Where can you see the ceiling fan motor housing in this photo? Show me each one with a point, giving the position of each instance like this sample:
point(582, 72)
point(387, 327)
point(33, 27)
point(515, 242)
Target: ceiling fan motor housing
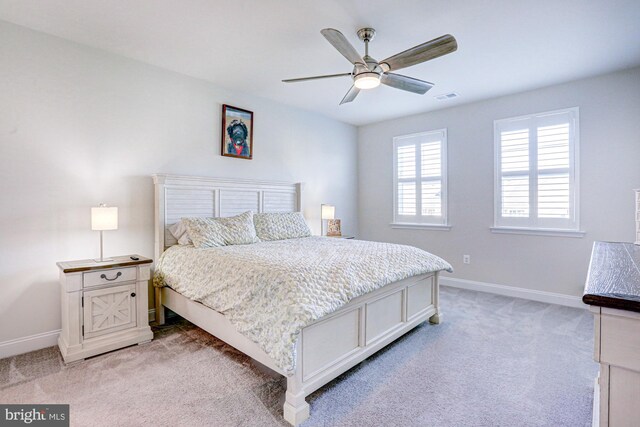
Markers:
point(367, 77)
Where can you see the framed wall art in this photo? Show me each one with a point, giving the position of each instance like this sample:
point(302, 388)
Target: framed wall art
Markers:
point(237, 132)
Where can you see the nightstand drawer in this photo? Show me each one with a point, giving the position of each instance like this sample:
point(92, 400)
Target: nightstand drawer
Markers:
point(109, 277)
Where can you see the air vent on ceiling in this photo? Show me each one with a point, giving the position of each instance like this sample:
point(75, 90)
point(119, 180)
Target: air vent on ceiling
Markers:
point(446, 96)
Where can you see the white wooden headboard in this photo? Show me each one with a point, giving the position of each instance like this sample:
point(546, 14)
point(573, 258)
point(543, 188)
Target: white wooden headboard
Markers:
point(179, 196)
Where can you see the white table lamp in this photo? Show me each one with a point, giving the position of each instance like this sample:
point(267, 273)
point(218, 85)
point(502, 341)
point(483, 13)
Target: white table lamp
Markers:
point(104, 218)
point(326, 212)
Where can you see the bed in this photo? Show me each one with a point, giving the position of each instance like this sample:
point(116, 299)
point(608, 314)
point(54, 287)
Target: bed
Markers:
point(325, 345)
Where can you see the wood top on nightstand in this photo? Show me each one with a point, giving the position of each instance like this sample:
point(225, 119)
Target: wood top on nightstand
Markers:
point(90, 264)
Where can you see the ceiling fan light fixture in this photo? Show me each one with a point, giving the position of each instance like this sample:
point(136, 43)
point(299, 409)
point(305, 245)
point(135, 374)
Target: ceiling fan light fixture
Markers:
point(367, 80)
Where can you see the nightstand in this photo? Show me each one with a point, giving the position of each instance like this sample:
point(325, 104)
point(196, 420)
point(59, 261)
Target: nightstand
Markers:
point(104, 305)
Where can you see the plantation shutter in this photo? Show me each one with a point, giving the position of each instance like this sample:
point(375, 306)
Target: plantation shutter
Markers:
point(420, 179)
point(431, 173)
point(406, 161)
point(536, 171)
point(514, 150)
point(554, 195)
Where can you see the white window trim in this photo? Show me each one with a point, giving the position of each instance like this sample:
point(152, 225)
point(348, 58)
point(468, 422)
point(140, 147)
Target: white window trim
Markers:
point(538, 231)
point(428, 222)
point(408, 225)
point(542, 229)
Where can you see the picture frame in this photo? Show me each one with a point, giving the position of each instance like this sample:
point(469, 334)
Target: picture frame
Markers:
point(237, 132)
point(333, 228)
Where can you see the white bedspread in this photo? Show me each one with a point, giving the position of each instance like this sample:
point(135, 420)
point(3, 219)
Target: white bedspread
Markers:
point(271, 290)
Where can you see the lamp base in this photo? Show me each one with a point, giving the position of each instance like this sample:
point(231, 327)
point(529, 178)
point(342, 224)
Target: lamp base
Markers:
point(103, 260)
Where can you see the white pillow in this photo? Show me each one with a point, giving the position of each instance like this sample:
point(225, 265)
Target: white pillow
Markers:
point(212, 232)
point(179, 231)
point(280, 226)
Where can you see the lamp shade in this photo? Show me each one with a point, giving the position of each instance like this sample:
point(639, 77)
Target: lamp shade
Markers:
point(328, 212)
point(104, 218)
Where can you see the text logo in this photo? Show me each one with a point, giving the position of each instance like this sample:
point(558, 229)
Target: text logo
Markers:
point(34, 415)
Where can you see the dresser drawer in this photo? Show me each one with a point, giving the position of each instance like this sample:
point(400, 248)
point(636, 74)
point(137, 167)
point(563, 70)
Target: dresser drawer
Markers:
point(109, 277)
point(620, 340)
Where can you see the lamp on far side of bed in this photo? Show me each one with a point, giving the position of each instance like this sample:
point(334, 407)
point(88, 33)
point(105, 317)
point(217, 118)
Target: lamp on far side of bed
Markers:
point(104, 218)
point(326, 212)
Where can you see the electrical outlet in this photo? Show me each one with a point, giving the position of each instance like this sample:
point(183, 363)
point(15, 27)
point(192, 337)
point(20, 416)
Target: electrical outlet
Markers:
point(466, 259)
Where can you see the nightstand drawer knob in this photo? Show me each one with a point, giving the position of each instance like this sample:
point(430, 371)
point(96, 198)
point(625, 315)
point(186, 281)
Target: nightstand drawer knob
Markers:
point(104, 276)
point(133, 294)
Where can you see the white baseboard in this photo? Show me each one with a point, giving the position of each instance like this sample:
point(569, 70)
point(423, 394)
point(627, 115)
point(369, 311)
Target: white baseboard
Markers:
point(511, 291)
point(27, 344)
point(38, 341)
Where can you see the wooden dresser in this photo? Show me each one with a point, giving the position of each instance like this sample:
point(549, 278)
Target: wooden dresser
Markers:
point(613, 292)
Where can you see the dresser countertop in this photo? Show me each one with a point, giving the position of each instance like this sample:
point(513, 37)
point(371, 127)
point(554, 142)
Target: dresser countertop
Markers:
point(614, 276)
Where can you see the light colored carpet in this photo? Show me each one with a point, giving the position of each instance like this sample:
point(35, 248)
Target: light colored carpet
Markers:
point(494, 361)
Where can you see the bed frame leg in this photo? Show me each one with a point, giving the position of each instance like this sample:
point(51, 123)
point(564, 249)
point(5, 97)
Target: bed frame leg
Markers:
point(435, 297)
point(296, 409)
point(159, 307)
point(435, 319)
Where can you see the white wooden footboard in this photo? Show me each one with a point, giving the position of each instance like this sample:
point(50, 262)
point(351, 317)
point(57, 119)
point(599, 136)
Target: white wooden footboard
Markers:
point(333, 344)
point(339, 341)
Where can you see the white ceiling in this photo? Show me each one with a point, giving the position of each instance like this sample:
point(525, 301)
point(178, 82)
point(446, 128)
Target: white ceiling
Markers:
point(505, 46)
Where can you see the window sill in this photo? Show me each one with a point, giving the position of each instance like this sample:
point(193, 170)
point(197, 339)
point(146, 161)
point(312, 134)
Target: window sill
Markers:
point(407, 225)
point(538, 231)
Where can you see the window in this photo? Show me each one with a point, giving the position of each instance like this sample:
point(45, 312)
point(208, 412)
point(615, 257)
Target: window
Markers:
point(420, 179)
point(536, 184)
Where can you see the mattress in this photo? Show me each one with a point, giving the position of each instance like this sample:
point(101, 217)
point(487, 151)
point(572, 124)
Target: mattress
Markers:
point(271, 290)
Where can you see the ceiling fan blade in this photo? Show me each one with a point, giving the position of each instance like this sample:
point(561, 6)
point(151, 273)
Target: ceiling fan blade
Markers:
point(421, 53)
point(409, 84)
point(351, 95)
point(327, 76)
point(340, 42)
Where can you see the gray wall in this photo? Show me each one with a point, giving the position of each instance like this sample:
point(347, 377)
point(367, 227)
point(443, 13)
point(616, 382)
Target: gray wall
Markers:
point(79, 126)
point(609, 171)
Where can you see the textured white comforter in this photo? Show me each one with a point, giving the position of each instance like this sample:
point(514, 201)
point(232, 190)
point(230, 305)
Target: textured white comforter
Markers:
point(271, 290)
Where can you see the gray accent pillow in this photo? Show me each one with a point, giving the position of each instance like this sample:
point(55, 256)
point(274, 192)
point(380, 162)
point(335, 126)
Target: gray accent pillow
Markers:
point(213, 232)
point(280, 226)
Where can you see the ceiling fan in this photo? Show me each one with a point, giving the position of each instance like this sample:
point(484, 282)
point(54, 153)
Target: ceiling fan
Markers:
point(368, 73)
